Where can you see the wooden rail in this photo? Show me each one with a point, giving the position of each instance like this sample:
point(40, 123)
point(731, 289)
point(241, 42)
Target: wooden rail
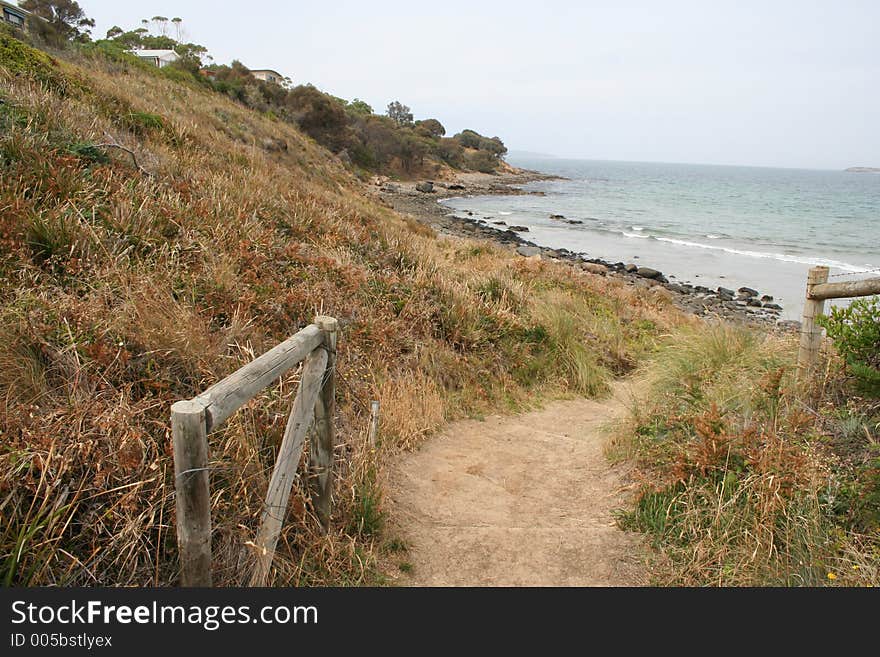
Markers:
point(818, 290)
point(193, 419)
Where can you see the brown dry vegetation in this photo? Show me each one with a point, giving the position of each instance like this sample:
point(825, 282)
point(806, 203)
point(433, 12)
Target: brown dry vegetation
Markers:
point(121, 292)
point(752, 474)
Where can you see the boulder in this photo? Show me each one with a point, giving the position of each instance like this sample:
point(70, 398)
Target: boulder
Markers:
point(595, 268)
point(519, 229)
point(754, 303)
point(528, 251)
point(724, 293)
point(573, 222)
point(500, 223)
point(391, 188)
point(766, 298)
point(772, 306)
point(631, 268)
point(455, 186)
point(747, 292)
point(647, 272)
point(550, 253)
point(426, 187)
point(557, 216)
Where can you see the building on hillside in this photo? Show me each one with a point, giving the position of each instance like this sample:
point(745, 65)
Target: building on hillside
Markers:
point(14, 15)
point(158, 58)
point(267, 75)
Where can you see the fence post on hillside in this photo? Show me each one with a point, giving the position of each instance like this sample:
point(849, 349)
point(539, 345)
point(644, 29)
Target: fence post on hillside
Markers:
point(323, 437)
point(191, 484)
point(811, 334)
point(374, 423)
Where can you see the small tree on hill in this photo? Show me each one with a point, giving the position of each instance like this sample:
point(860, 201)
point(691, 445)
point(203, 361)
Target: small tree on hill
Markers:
point(359, 106)
point(432, 127)
point(400, 113)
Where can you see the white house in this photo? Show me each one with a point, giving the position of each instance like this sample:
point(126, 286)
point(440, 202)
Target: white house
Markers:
point(14, 15)
point(158, 58)
point(267, 74)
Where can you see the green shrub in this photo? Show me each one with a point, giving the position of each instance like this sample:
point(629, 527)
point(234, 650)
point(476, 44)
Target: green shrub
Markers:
point(89, 152)
point(482, 161)
point(20, 59)
point(855, 332)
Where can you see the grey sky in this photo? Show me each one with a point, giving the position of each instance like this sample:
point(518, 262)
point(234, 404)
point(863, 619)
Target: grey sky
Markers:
point(773, 83)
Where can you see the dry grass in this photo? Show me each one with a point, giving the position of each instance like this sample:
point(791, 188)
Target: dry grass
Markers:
point(121, 293)
point(746, 478)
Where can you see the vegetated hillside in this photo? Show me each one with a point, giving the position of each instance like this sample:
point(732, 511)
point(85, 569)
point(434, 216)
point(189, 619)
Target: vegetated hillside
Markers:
point(129, 280)
point(393, 144)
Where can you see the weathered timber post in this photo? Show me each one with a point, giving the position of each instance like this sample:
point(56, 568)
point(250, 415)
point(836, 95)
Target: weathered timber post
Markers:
point(811, 334)
point(323, 437)
point(191, 484)
point(374, 422)
point(301, 416)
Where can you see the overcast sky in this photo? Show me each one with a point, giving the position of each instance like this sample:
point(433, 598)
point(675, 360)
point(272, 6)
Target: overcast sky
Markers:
point(770, 83)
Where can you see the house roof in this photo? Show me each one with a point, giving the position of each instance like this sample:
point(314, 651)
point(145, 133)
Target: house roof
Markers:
point(15, 8)
point(265, 70)
point(153, 53)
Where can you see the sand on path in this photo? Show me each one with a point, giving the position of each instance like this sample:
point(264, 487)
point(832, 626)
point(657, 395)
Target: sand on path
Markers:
point(521, 500)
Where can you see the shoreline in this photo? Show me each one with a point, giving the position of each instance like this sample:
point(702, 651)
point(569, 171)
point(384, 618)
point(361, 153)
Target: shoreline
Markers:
point(742, 306)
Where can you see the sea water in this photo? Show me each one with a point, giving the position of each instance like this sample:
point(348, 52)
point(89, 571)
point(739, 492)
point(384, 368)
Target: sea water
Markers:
point(701, 224)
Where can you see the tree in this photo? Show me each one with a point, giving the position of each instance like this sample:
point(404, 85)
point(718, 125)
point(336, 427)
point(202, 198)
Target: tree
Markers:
point(431, 127)
point(177, 21)
point(400, 113)
point(359, 106)
point(64, 20)
point(469, 138)
point(161, 23)
point(114, 32)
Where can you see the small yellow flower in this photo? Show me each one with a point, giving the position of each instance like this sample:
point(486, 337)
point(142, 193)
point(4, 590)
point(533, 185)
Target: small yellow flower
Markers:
point(832, 576)
point(855, 567)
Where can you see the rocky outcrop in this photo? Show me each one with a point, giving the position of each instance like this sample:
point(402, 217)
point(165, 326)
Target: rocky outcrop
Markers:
point(528, 251)
point(647, 272)
point(426, 187)
point(595, 268)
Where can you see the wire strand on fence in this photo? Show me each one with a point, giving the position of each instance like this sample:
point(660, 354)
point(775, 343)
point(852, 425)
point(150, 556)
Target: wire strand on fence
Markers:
point(855, 273)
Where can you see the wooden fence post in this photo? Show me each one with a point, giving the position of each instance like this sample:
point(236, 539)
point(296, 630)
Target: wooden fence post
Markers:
point(811, 334)
point(374, 423)
point(191, 484)
point(300, 421)
point(323, 437)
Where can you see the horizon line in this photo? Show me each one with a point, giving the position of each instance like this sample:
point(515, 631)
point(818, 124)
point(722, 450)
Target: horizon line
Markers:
point(549, 156)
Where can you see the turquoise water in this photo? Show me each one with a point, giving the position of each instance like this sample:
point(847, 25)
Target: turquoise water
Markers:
point(710, 225)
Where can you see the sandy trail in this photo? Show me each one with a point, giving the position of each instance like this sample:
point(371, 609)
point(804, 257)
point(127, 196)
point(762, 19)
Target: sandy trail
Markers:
point(520, 500)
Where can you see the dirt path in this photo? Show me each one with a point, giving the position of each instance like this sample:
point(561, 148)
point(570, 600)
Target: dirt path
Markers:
point(523, 500)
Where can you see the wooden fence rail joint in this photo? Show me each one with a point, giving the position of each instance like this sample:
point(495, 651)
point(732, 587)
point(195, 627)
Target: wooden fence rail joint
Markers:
point(818, 291)
point(193, 419)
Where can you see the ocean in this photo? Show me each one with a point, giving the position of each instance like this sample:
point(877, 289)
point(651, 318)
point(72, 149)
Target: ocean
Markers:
point(701, 224)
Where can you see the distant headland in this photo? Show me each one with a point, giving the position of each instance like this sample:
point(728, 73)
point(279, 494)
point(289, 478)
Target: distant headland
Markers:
point(863, 170)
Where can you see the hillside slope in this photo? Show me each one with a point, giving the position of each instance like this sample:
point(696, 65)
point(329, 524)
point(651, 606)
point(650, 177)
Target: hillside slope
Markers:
point(132, 277)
